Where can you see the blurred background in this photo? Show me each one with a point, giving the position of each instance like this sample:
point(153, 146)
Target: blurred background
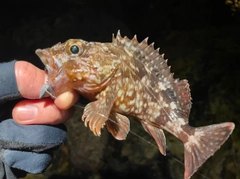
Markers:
point(200, 38)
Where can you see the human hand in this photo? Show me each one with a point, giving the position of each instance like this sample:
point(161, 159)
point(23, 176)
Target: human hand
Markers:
point(39, 111)
point(29, 148)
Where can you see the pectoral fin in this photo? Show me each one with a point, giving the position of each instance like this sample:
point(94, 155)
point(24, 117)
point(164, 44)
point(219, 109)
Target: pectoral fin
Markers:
point(94, 117)
point(96, 113)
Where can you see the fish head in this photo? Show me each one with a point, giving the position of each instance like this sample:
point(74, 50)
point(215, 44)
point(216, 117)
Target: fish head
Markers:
point(77, 64)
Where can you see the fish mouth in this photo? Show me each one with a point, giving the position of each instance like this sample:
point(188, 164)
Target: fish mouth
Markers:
point(45, 58)
point(53, 68)
point(48, 60)
point(43, 55)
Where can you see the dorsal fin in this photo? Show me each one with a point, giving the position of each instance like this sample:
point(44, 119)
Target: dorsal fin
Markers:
point(156, 65)
point(184, 97)
point(150, 57)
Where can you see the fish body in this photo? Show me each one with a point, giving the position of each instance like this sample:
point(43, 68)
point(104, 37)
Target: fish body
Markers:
point(127, 77)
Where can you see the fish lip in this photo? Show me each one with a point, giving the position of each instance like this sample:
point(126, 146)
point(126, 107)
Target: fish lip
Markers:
point(43, 55)
point(49, 61)
point(54, 69)
point(46, 58)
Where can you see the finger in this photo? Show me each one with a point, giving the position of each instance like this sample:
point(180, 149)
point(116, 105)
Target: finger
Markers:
point(42, 111)
point(66, 100)
point(29, 79)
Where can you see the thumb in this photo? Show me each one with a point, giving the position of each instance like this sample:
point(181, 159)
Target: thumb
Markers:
point(29, 79)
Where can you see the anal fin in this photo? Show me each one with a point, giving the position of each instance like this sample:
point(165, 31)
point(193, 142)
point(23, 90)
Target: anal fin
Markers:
point(158, 136)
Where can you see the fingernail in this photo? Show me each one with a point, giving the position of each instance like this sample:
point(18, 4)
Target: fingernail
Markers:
point(27, 112)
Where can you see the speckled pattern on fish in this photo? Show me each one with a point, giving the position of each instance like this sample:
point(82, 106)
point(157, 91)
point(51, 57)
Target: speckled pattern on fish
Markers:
point(127, 77)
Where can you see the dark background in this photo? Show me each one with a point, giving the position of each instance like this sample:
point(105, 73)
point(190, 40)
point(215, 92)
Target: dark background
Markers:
point(201, 39)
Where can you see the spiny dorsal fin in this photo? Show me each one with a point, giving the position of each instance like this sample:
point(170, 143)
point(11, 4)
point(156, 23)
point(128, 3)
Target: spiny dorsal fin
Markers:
point(155, 64)
point(150, 57)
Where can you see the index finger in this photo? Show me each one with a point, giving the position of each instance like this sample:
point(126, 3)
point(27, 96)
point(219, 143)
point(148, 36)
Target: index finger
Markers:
point(66, 100)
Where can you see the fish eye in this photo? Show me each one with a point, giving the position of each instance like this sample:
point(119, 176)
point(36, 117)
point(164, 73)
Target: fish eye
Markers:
point(74, 49)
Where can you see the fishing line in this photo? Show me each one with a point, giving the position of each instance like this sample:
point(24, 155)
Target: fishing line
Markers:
point(142, 138)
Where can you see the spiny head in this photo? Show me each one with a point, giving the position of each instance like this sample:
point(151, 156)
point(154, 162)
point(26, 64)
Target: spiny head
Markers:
point(78, 64)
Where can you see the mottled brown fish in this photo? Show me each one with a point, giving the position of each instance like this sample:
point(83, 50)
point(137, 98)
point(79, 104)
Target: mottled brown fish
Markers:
point(127, 77)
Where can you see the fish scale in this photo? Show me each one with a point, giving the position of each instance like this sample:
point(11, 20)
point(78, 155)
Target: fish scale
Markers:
point(127, 77)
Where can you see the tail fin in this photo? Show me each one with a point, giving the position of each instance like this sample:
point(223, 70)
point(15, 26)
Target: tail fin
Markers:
point(204, 143)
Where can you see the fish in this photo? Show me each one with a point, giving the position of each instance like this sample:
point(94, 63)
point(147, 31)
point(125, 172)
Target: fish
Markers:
point(126, 77)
